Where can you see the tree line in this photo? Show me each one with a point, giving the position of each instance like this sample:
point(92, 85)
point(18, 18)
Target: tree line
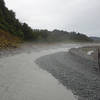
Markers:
point(11, 24)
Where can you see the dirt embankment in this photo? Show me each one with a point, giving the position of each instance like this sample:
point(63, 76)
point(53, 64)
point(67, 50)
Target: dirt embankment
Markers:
point(75, 70)
point(7, 40)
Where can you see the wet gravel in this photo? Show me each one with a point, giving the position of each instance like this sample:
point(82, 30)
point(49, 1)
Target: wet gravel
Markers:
point(76, 72)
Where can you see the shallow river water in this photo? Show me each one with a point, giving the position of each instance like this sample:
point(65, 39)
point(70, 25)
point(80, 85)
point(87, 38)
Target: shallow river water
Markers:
point(22, 79)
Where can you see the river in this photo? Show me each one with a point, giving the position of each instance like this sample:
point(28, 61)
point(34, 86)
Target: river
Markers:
point(22, 79)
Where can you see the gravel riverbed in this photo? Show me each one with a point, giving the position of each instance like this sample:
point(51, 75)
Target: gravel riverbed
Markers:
point(74, 71)
point(20, 77)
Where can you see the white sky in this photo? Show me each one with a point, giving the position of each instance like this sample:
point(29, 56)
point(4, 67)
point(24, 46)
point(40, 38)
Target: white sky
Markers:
point(78, 15)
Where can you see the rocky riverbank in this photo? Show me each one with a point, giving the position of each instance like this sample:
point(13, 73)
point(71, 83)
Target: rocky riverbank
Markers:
point(75, 70)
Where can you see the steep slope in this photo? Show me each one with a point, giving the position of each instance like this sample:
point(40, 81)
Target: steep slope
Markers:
point(8, 22)
point(8, 40)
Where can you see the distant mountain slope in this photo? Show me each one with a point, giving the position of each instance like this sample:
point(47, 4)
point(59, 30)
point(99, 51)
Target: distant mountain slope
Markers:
point(10, 24)
point(96, 39)
point(65, 36)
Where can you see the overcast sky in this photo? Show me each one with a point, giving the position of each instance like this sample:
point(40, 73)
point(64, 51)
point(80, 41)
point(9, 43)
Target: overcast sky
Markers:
point(71, 15)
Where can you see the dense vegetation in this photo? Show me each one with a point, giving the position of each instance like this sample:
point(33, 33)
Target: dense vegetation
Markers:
point(7, 40)
point(9, 23)
point(60, 35)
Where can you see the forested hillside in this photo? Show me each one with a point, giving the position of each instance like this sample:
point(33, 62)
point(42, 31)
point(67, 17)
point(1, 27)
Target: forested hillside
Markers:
point(9, 24)
point(60, 35)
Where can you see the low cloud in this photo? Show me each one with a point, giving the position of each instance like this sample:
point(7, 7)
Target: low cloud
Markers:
point(77, 15)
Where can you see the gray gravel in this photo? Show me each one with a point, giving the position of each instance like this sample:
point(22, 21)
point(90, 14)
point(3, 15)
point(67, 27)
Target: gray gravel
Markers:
point(76, 72)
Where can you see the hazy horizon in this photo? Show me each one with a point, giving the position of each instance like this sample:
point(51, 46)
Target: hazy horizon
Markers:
point(69, 15)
